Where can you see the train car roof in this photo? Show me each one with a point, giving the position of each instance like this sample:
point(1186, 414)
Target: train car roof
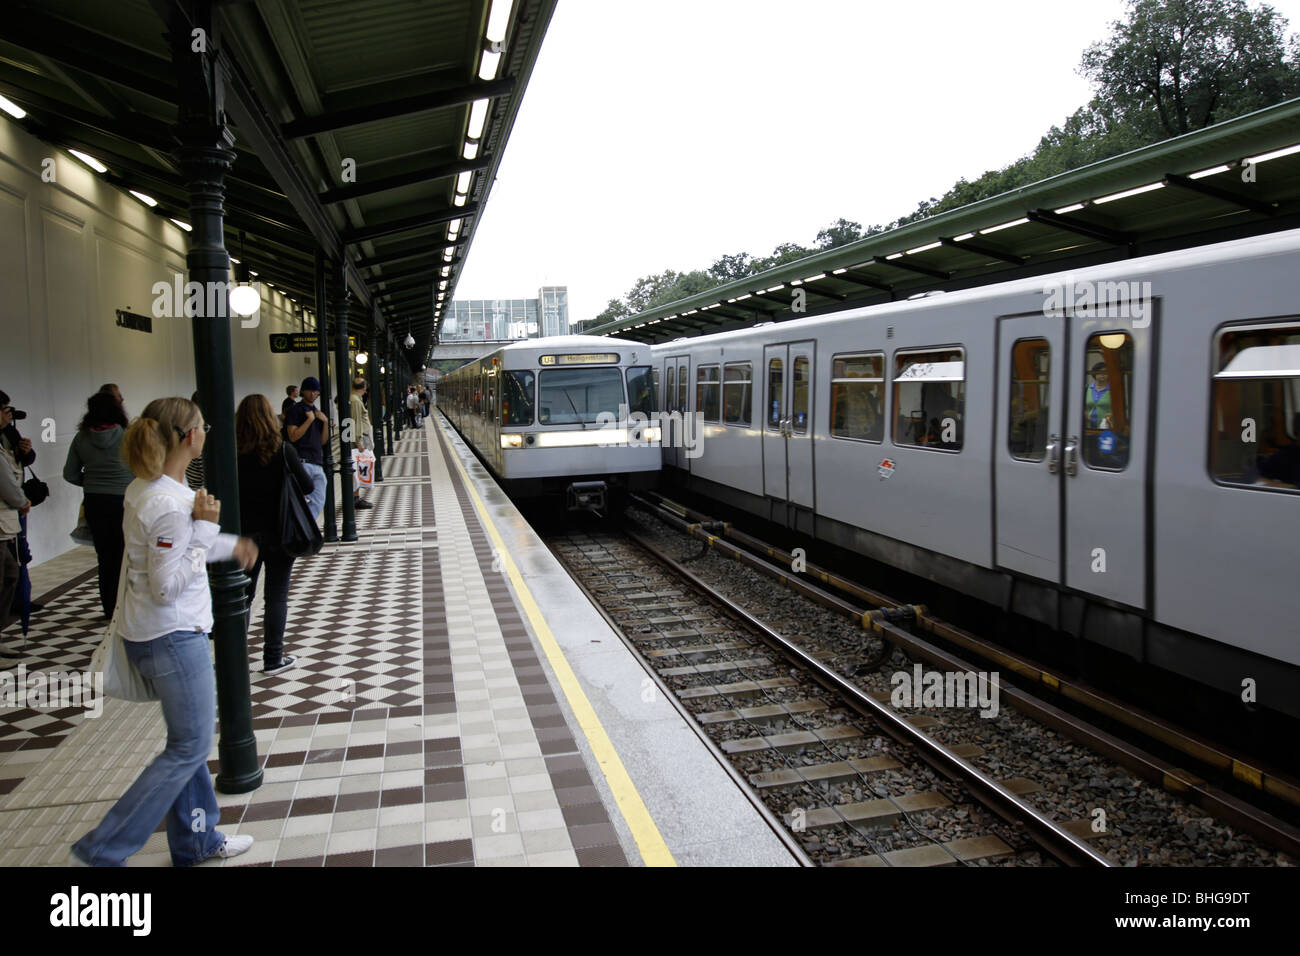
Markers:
point(1283, 243)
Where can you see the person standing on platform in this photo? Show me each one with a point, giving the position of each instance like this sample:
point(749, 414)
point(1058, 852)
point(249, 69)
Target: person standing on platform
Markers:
point(308, 429)
point(266, 462)
point(290, 399)
point(171, 535)
point(95, 465)
point(411, 403)
point(363, 435)
point(13, 505)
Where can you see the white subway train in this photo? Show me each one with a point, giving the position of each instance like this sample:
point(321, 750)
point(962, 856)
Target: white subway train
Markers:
point(568, 414)
point(1114, 452)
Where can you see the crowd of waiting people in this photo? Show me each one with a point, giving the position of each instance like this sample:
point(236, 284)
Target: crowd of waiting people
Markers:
point(155, 527)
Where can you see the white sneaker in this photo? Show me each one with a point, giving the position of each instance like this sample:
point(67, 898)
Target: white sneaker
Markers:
point(235, 845)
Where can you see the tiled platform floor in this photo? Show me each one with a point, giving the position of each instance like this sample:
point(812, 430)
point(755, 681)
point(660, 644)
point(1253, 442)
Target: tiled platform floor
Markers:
point(420, 728)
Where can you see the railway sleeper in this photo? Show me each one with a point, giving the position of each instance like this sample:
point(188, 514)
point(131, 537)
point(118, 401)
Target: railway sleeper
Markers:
point(744, 688)
point(841, 770)
point(883, 812)
point(951, 853)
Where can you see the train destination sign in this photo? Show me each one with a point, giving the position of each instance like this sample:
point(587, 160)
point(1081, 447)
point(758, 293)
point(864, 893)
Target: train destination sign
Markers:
point(591, 358)
point(301, 342)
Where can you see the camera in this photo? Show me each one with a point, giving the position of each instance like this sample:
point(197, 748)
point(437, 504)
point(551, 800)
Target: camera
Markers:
point(17, 414)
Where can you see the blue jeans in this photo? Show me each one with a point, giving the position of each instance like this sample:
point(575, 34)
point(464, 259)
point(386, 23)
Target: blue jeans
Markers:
point(315, 500)
point(177, 785)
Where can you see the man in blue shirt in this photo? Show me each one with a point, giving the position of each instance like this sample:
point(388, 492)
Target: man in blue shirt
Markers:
point(308, 430)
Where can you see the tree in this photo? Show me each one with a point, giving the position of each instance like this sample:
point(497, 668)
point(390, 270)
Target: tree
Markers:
point(616, 309)
point(727, 268)
point(839, 233)
point(1181, 65)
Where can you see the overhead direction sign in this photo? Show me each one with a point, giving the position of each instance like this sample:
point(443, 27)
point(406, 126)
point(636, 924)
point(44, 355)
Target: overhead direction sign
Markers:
point(300, 342)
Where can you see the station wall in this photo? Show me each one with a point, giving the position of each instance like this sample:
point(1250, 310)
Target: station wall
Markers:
point(73, 252)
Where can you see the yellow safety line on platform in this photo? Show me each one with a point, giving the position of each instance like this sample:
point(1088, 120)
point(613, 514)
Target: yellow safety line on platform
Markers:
point(654, 851)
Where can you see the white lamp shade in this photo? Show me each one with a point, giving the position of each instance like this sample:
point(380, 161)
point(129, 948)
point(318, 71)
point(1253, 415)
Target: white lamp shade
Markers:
point(245, 300)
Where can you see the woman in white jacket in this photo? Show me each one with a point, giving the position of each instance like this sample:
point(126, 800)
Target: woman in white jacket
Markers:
point(164, 616)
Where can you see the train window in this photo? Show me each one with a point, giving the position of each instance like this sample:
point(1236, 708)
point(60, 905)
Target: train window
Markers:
point(858, 397)
point(737, 392)
point(1031, 363)
point(1255, 427)
point(567, 396)
point(1107, 400)
point(930, 398)
point(707, 399)
point(799, 396)
point(681, 388)
point(641, 391)
point(670, 389)
point(775, 396)
point(517, 398)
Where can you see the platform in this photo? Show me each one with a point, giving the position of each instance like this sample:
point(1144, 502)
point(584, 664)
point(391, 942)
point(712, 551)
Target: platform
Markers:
point(459, 702)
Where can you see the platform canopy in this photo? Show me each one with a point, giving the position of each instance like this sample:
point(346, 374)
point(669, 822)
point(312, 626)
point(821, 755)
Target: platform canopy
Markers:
point(1234, 179)
point(369, 130)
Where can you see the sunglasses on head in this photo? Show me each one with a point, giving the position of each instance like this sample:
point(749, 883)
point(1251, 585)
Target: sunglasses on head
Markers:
point(185, 432)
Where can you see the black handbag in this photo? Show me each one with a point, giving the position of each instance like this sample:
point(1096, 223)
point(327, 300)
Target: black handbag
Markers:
point(35, 489)
point(299, 535)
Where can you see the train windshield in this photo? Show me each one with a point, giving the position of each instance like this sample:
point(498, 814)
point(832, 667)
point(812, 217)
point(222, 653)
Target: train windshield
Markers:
point(642, 390)
point(517, 398)
point(572, 396)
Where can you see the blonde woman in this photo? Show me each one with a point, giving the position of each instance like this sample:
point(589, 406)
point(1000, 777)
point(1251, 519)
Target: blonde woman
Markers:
point(164, 617)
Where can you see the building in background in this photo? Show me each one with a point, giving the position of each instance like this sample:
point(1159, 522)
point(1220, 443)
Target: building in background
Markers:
point(478, 320)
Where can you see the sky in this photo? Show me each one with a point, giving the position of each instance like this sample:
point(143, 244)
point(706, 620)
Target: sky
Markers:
point(664, 134)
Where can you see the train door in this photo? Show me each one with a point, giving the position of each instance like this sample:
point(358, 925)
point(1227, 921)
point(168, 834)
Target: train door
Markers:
point(1075, 399)
point(676, 382)
point(1028, 447)
point(787, 423)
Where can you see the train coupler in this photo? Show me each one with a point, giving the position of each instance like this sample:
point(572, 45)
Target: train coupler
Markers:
point(586, 496)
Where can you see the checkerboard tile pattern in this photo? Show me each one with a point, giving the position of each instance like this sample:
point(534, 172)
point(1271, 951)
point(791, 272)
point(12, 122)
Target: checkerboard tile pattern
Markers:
point(420, 728)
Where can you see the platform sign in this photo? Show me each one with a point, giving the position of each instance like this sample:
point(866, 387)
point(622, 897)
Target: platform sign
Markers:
point(301, 342)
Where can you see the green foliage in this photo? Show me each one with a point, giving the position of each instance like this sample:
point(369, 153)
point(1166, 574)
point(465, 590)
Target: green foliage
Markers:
point(1181, 65)
point(1173, 67)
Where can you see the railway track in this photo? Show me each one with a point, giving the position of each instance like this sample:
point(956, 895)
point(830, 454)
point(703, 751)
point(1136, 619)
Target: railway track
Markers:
point(846, 778)
point(907, 627)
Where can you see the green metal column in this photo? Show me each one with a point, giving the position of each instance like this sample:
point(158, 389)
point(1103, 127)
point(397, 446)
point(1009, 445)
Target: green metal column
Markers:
point(376, 397)
point(205, 156)
point(322, 359)
point(341, 301)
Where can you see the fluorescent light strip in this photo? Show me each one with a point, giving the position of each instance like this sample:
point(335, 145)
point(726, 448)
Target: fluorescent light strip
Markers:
point(1149, 187)
point(1073, 207)
point(12, 108)
point(925, 248)
point(186, 226)
point(487, 68)
point(775, 288)
point(1275, 154)
point(1201, 174)
point(894, 255)
point(820, 275)
point(963, 237)
point(90, 161)
point(477, 117)
point(147, 200)
point(1001, 226)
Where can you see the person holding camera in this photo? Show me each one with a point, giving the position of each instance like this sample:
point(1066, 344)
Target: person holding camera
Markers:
point(14, 505)
point(172, 534)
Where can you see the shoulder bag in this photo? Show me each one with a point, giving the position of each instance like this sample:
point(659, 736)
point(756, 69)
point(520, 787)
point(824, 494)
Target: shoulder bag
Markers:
point(299, 535)
point(121, 678)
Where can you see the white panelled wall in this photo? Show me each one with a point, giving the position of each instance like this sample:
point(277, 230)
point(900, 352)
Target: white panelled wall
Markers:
point(73, 252)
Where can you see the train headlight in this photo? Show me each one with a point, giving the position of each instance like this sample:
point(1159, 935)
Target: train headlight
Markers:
point(512, 441)
point(650, 433)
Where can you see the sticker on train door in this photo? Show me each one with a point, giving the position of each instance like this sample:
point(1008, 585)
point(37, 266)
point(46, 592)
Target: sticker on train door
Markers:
point(886, 469)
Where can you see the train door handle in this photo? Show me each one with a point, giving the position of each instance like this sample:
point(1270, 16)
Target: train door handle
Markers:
point(1053, 454)
point(1072, 456)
